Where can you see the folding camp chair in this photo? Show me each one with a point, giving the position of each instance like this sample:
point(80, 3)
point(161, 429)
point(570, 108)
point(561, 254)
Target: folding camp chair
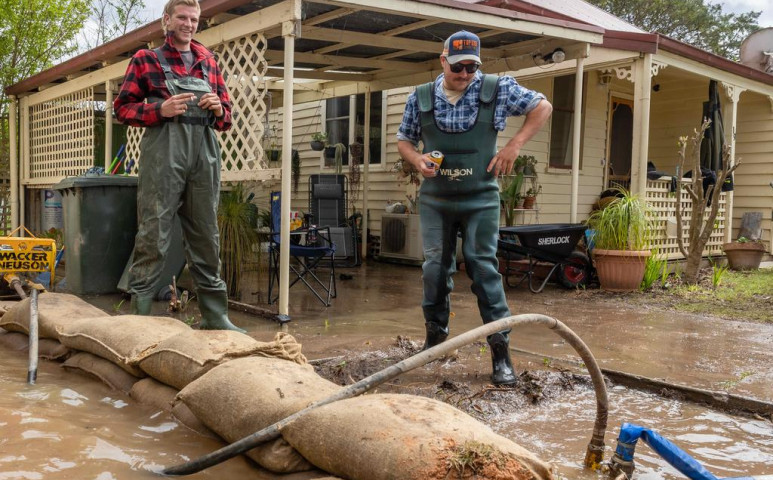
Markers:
point(328, 204)
point(310, 249)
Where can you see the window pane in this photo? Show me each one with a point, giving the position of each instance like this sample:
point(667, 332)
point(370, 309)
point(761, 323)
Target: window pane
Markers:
point(375, 124)
point(561, 122)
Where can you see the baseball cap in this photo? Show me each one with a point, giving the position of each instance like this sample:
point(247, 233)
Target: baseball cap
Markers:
point(461, 46)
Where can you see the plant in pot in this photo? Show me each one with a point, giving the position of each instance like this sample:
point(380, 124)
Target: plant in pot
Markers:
point(318, 141)
point(744, 254)
point(509, 195)
point(531, 194)
point(620, 236)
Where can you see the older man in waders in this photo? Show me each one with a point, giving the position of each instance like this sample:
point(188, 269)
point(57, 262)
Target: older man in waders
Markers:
point(460, 115)
point(178, 94)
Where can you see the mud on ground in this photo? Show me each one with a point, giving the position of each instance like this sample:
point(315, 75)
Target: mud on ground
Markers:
point(461, 380)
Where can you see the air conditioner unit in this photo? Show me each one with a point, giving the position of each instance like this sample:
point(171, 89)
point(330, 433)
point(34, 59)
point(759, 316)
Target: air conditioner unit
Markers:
point(401, 237)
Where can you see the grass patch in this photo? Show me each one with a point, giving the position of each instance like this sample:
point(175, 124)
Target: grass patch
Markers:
point(741, 296)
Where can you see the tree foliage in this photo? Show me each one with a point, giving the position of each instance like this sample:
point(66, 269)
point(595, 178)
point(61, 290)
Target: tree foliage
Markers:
point(33, 34)
point(109, 19)
point(697, 22)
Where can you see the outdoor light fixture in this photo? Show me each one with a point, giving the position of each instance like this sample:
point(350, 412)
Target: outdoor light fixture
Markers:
point(605, 77)
point(556, 56)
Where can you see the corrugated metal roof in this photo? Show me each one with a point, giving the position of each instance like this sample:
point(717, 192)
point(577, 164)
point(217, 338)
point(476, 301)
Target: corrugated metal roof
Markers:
point(586, 12)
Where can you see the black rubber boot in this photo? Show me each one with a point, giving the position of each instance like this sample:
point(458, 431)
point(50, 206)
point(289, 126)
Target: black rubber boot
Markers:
point(435, 335)
point(214, 312)
point(502, 366)
point(141, 305)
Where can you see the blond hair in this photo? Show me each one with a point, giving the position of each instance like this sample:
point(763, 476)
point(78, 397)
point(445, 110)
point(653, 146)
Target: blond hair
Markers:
point(172, 4)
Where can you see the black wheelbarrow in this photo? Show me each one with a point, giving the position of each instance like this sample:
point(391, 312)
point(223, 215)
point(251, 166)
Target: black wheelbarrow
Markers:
point(552, 243)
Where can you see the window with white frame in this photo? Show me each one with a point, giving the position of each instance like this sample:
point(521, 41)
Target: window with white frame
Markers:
point(562, 122)
point(338, 114)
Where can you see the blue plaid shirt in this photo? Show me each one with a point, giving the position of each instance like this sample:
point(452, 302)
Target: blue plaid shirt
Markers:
point(512, 100)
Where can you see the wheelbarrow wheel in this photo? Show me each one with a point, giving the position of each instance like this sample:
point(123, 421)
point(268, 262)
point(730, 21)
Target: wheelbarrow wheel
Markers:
point(575, 271)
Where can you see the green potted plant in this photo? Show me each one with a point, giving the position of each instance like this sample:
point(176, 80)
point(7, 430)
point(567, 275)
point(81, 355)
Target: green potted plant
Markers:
point(236, 220)
point(274, 153)
point(531, 194)
point(509, 195)
point(620, 237)
point(528, 163)
point(318, 141)
point(744, 254)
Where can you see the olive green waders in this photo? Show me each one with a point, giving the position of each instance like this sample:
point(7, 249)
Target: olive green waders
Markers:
point(180, 174)
point(464, 198)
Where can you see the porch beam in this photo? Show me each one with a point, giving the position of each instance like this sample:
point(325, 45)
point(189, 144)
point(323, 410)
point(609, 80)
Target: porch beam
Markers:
point(290, 30)
point(480, 16)
point(576, 135)
point(365, 177)
point(108, 123)
point(340, 61)
point(14, 158)
point(730, 126)
point(641, 123)
point(714, 73)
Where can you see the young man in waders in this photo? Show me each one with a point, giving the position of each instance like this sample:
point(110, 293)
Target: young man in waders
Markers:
point(180, 172)
point(460, 115)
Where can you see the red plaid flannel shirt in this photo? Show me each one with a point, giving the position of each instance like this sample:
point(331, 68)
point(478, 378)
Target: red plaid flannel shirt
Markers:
point(144, 78)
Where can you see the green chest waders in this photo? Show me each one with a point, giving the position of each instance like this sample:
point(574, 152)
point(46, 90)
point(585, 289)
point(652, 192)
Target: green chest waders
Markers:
point(180, 174)
point(464, 198)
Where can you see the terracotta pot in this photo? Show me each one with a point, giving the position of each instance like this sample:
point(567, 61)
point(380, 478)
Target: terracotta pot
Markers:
point(620, 270)
point(528, 202)
point(744, 256)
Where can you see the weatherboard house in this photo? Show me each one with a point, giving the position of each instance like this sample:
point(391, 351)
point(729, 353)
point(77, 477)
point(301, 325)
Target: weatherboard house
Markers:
point(622, 98)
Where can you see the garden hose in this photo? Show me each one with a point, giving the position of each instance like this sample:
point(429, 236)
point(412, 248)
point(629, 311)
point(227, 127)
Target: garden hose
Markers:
point(594, 453)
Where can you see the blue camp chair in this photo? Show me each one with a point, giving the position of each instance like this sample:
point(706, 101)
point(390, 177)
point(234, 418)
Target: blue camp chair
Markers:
point(312, 257)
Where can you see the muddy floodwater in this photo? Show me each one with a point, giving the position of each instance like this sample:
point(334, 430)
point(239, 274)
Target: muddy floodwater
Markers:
point(69, 426)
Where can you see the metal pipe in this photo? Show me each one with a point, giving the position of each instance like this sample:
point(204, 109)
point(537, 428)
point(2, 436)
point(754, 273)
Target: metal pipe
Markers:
point(32, 371)
point(593, 454)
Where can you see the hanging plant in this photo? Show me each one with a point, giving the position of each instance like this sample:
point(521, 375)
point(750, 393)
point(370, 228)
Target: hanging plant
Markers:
point(296, 169)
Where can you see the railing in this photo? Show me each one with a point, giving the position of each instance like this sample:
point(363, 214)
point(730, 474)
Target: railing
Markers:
point(663, 205)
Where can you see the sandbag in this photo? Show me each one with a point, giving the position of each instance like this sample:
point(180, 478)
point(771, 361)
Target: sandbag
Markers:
point(48, 348)
point(15, 341)
point(51, 349)
point(111, 374)
point(120, 338)
point(392, 436)
point(245, 395)
point(182, 358)
point(155, 394)
point(55, 310)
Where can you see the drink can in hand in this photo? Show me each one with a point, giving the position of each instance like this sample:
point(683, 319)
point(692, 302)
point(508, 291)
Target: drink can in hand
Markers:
point(437, 158)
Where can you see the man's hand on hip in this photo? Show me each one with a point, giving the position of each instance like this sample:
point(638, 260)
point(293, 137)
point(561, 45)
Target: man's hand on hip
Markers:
point(210, 101)
point(176, 105)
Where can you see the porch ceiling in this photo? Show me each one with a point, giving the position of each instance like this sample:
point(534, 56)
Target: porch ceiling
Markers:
point(386, 44)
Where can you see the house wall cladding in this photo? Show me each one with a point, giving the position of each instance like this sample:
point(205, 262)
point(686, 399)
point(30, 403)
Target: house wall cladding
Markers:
point(754, 148)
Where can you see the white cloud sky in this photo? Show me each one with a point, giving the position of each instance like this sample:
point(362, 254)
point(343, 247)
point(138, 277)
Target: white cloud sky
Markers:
point(740, 6)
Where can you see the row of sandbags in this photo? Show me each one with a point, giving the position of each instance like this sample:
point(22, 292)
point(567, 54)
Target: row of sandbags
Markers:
point(229, 385)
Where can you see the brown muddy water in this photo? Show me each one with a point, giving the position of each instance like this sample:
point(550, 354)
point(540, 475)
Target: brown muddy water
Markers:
point(71, 427)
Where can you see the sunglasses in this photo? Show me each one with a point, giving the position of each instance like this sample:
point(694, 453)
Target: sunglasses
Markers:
point(458, 67)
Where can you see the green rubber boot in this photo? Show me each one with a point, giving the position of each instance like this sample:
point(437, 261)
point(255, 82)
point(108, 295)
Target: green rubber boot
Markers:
point(141, 305)
point(214, 312)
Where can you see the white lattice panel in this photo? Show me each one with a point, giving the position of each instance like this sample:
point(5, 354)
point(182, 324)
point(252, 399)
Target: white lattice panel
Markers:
point(61, 138)
point(133, 138)
point(244, 66)
point(663, 205)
